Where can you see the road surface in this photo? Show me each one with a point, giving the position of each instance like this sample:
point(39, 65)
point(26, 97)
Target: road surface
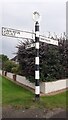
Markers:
point(33, 113)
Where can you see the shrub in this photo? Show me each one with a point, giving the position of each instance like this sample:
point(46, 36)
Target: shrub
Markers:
point(9, 65)
point(53, 61)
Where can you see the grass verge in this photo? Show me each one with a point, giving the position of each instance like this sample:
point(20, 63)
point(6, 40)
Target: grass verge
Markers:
point(0, 91)
point(17, 96)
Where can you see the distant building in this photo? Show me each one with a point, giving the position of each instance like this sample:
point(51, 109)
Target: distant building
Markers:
point(67, 19)
point(15, 60)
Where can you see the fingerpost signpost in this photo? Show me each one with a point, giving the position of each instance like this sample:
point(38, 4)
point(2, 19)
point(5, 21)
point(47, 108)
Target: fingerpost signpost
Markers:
point(36, 37)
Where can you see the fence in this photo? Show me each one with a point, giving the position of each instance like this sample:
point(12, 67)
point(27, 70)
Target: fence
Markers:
point(45, 87)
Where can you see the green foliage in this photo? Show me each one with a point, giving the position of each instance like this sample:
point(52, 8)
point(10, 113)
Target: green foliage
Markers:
point(9, 65)
point(15, 69)
point(3, 59)
point(53, 61)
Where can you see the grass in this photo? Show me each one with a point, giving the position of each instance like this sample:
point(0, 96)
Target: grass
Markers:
point(0, 91)
point(17, 96)
point(55, 101)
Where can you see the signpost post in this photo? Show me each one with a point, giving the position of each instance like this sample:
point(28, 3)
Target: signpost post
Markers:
point(37, 86)
point(36, 37)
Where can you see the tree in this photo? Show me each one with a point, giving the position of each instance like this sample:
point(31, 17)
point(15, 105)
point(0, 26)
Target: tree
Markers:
point(9, 66)
point(15, 69)
point(53, 61)
point(3, 59)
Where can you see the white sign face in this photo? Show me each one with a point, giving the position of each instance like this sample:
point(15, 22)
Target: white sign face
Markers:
point(27, 35)
point(17, 33)
point(48, 40)
point(30, 46)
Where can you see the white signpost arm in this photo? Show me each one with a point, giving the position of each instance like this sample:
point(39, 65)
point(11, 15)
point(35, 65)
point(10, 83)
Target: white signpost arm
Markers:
point(48, 40)
point(9, 32)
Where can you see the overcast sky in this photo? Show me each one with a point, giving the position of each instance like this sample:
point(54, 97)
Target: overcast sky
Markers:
point(18, 14)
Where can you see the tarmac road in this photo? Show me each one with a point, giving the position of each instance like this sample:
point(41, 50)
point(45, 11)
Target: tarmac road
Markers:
point(33, 113)
point(62, 114)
